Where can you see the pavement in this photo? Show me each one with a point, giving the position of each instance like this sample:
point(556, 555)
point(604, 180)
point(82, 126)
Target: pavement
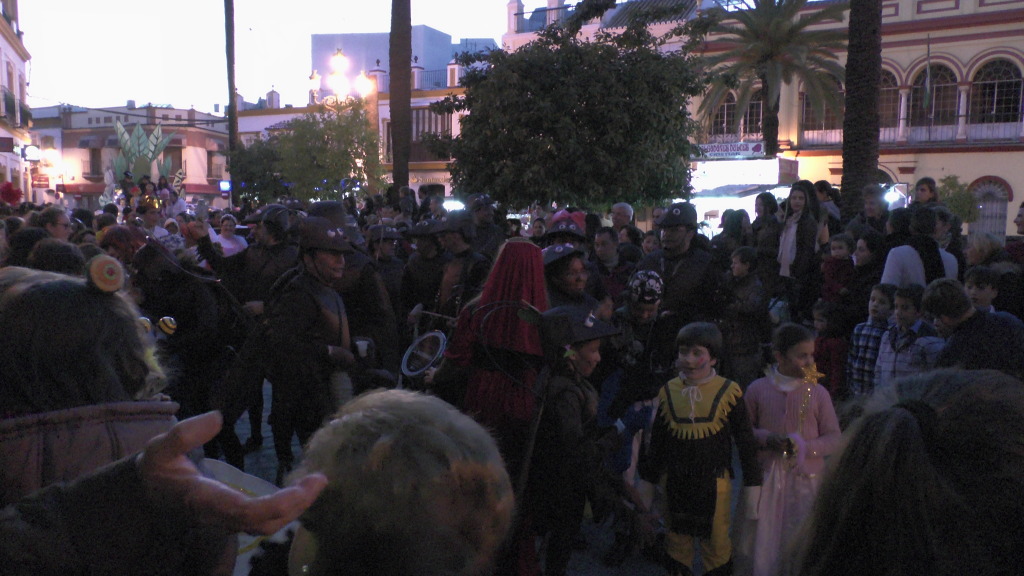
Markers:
point(599, 538)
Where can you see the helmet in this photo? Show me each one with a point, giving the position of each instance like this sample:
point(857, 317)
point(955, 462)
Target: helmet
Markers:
point(645, 287)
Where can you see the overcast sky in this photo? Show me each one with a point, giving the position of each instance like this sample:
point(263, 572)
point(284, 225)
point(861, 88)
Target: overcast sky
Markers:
point(104, 53)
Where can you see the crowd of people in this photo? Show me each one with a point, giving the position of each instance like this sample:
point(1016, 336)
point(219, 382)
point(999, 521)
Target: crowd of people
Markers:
point(587, 362)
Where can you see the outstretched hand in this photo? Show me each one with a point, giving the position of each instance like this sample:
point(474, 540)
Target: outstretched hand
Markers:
point(171, 478)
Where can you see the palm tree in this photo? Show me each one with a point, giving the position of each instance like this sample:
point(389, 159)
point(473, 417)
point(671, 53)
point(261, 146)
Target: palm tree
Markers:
point(400, 56)
point(229, 49)
point(771, 43)
point(863, 86)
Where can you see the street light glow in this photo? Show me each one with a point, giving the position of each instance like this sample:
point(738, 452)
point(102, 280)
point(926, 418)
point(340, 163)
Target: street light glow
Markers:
point(339, 62)
point(363, 85)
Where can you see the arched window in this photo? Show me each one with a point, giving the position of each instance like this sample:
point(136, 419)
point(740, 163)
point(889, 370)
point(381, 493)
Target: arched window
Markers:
point(996, 93)
point(754, 115)
point(818, 117)
point(992, 196)
point(889, 101)
point(933, 103)
point(724, 122)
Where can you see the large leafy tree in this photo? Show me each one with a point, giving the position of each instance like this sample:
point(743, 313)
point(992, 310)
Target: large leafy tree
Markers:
point(254, 174)
point(575, 121)
point(323, 150)
point(863, 85)
point(772, 43)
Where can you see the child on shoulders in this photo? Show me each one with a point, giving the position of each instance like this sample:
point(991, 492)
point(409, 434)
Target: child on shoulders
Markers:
point(837, 270)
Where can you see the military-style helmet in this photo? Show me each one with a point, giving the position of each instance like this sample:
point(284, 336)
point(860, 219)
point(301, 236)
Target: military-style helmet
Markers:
point(273, 215)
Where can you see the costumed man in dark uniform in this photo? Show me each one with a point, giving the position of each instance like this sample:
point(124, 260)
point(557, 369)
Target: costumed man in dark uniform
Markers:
point(566, 230)
point(381, 243)
point(464, 275)
point(306, 341)
point(421, 280)
point(691, 284)
point(249, 276)
point(488, 236)
point(370, 313)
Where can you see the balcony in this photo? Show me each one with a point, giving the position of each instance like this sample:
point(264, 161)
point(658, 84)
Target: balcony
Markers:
point(10, 110)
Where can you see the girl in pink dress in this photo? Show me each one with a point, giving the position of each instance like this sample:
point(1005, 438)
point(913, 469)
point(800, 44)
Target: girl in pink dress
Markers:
point(795, 427)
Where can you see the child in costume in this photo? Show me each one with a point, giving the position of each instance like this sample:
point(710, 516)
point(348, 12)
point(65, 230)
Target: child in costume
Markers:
point(699, 415)
point(796, 427)
point(566, 468)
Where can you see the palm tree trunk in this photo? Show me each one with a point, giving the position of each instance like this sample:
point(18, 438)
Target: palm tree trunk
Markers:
point(861, 122)
point(770, 121)
point(401, 90)
point(232, 113)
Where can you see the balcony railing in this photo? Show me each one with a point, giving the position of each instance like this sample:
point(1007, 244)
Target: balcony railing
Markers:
point(433, 79)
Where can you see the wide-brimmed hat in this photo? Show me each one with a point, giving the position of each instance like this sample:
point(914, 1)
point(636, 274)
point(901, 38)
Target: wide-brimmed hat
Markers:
point(558, 252)
point(568, 325)
point(316, 233)
point(379, 232)
point(459, 221)
point(427, 227)
point(566, 228)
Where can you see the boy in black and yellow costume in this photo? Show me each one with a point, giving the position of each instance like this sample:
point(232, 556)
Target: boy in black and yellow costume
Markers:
point(699, 415)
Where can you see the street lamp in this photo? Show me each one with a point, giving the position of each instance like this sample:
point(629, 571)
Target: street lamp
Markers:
point(338, 83)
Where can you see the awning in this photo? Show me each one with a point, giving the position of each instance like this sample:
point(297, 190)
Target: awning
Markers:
point(192, 188)
point(739, 190)
point(83, 189)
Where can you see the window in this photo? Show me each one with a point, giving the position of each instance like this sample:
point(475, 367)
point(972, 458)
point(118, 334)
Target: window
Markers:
point(724, 121)
point(934, 106)
point(175, 155)
point(754, 114)
point(996, 93)
point(889, 101)
point(992, 195)
point(108, 120)
point(95, 165)
point(819, 117)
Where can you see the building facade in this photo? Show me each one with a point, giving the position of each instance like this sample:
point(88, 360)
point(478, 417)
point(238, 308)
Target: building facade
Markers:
point(78, 147)
point(968, 123)
point(15, 115)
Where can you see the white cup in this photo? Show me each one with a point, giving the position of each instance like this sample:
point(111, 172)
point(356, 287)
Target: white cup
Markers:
point(361, 346)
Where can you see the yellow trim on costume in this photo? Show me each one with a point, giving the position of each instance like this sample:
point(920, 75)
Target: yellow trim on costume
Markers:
point(691, 415)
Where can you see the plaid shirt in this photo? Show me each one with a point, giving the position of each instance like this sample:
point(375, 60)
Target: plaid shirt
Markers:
point(864, 345)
